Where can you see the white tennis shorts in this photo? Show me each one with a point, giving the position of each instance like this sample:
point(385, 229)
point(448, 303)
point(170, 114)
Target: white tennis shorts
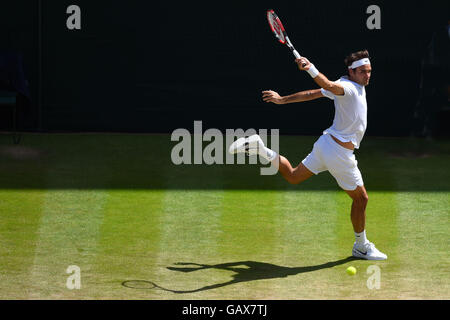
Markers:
point(339, 161)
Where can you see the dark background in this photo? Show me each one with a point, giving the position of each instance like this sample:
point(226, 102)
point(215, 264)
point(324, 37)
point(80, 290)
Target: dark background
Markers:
point(154, 66)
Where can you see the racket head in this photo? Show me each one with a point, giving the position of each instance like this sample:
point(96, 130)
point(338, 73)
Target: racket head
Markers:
point(276, 26)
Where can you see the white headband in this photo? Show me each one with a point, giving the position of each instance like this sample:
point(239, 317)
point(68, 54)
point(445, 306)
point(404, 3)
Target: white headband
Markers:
point(359, 63)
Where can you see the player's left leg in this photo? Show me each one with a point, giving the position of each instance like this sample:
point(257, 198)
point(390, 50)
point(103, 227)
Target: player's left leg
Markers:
point(292, 175)
point(254, 145)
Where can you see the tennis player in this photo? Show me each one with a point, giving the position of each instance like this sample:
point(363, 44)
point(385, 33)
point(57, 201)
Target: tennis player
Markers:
point(333, 151)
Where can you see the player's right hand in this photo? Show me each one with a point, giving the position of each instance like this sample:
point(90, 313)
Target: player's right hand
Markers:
point(303, 63)
point(272, 96)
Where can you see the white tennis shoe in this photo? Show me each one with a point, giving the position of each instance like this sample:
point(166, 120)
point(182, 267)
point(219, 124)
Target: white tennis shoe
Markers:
point(252, 145)
point(367, 251)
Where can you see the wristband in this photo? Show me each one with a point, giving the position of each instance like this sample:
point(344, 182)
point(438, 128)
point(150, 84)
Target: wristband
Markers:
point(313, 72)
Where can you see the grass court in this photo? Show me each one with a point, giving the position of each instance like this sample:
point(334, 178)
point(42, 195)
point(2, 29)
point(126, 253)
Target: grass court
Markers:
point(140, 227)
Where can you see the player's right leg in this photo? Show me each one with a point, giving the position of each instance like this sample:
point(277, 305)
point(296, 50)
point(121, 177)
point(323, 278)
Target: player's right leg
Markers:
point(342, 165)
point(362, 248)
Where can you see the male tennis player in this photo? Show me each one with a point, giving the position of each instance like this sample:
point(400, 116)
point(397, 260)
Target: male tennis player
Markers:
point(333, 151)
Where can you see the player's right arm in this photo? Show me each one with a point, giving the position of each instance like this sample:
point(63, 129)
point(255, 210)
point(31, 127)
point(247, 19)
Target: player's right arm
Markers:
point(272, 96)
point(321, 79)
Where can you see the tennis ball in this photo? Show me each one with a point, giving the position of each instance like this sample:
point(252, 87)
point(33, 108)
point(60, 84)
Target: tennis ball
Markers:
point(351, 271)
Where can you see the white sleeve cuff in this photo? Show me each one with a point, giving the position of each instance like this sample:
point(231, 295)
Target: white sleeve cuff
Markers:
point(327, 93)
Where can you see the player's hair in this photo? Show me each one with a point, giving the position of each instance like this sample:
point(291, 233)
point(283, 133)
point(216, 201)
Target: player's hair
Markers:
point(355, 56)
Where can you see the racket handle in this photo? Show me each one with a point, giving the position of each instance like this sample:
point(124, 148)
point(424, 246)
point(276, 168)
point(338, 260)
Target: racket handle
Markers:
point(297, 55)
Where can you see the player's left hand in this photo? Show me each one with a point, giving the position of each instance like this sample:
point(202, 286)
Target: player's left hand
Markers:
point(272, 96)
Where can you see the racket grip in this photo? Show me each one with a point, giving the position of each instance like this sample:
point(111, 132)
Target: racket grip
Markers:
point(297, 55)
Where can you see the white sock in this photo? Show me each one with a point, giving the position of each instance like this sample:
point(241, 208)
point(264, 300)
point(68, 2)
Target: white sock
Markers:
point(360, 238)
point(270, 155)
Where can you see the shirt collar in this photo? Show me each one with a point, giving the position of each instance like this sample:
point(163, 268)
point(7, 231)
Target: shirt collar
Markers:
point(347, 79)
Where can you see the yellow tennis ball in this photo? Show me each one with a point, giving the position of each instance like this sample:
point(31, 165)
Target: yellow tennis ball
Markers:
point(351, 271)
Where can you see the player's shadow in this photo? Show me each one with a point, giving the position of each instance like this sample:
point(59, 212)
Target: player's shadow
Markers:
point(245, 271)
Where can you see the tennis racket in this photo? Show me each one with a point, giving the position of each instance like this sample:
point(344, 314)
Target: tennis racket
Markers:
point(280, 33)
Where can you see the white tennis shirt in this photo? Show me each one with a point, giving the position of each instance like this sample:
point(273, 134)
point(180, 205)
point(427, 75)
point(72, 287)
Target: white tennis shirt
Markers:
point(350, 117)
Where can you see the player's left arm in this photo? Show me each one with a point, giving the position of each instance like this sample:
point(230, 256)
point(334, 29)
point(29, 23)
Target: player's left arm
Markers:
point(307, 95)
point(336, 88)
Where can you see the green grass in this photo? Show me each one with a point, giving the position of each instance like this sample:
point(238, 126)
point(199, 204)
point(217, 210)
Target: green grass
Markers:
point(115, 205)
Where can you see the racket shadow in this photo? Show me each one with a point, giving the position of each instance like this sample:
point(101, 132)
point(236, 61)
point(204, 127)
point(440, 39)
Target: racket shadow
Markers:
point(245, 271)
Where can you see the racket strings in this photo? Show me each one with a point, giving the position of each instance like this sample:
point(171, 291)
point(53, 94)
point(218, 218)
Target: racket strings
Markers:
point(276, 26)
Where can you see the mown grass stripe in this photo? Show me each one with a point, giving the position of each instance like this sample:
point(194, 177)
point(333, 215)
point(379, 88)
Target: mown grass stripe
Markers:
point(189, 229)
point(68, 235)
point(248, 234)
point(20, 214)
point(306, 241)
point(129, 242)
point(423, 246)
